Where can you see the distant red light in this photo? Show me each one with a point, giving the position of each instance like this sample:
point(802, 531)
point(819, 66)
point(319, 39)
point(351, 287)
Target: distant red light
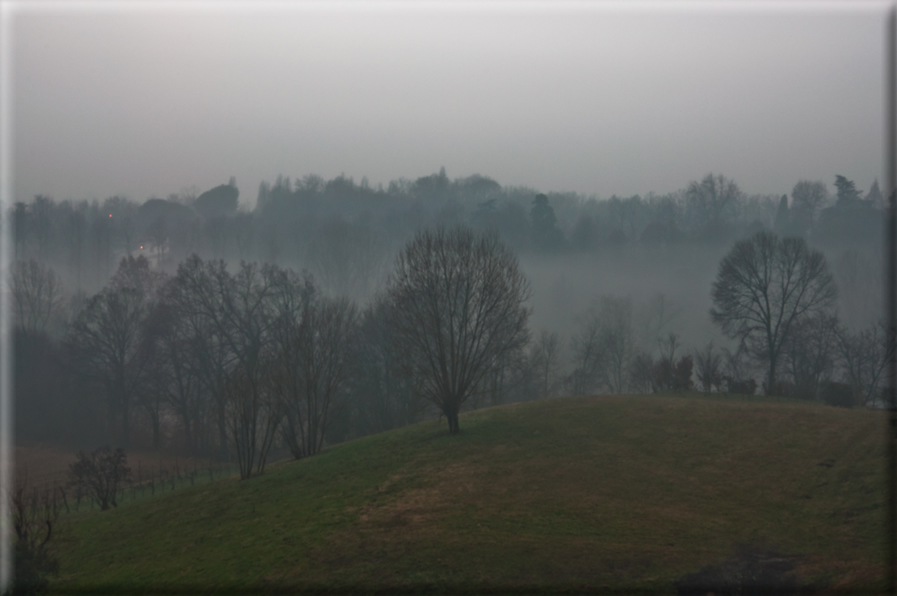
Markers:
point(110, 215)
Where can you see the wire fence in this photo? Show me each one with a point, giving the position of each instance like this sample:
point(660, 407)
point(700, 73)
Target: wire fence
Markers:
point(148, 479)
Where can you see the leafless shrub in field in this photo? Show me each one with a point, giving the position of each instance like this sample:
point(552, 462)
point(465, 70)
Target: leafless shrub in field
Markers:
point(709, 368)
point(34, 517)
point(101, 474)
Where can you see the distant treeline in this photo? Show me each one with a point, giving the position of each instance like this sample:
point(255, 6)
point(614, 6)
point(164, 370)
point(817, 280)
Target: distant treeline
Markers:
point(346, 233)
point(87, 275)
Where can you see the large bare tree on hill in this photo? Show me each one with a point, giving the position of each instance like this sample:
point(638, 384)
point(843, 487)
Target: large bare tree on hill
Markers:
point(764, 286)
point(458, 306)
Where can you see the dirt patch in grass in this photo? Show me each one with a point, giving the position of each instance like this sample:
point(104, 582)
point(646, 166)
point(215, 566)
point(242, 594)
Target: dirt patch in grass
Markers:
point(430, 501)
point(414, 507)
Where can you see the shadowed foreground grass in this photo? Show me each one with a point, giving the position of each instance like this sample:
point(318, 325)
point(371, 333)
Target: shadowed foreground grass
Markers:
point(606, 493)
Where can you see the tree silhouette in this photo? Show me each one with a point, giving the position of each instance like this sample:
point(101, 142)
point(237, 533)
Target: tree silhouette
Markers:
point(545, 232)
point(847, 191)
point(457, 300)
point(764, 286)
point(808, 199)
point(108, 337)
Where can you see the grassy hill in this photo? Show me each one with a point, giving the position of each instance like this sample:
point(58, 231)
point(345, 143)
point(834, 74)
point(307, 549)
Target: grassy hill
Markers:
point(629, 492)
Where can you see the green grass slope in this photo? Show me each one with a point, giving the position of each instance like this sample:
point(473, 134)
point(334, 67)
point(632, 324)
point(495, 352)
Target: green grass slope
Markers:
point(625, 493)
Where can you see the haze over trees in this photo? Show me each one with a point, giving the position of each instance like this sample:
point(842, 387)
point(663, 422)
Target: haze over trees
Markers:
point(37, 295)
point(713, 203)
point(195, 323)
point(808, 200)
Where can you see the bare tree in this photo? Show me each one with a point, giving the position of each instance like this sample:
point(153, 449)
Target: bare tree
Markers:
point(654, 318)
point(260, 341)
point(508, 380)
point(545, 364)
point(712, 201)
point(670, 374)
point(588, 356)
point(173, 379)
point(618, 339)
point(107, 338)
point(604, 347)
point(195, 303)
point(764, 285)
point(709, 365)
point(738, 371)
point(37, 295)
point(315, 356)
point(348, 259)
point(864, 358)
point(668, 346)
point(458, 304)
point(810, 352)
point(381, 393)
point(807, 200)
point(252, 415)
point(231, 318)
point(641, 373)
point(34, 515)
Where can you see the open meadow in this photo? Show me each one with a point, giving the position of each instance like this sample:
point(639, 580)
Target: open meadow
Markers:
point(603, 493)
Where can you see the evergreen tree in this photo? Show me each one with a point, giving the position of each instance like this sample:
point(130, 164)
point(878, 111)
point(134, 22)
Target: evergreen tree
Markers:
point(545, 232)
point(783, 218)
point(847, 191)
point(874, 195)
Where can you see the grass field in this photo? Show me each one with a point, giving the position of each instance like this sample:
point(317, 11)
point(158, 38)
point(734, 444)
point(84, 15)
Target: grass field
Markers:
point(605, 493)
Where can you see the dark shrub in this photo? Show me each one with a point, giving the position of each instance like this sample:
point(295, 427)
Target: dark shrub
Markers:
point(839, 395)
point(101, 474)
point(748, 387)
point(673, 377)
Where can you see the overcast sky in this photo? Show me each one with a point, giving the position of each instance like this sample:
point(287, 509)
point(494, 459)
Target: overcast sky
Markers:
point(594, 98)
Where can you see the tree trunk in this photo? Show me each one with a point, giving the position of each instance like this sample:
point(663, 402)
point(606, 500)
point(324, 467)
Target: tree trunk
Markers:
point(126, 423)
point(451, 414)
point(222, 432)
point(157, 431)
point(188, 435)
